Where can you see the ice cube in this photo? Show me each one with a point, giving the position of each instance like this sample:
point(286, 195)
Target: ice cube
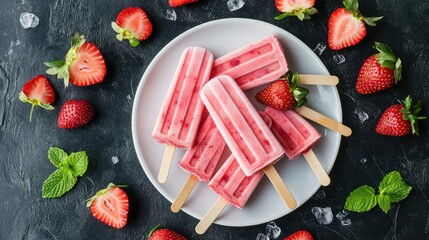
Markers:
point(363, 116)
point(323, 216)
point(234, 5)
point(262, 237)
point(171, 15)
point(28, 20)
point(273, 231)
point(319, 195)
point(320, 48)
point(338, 59)
point(346, 222)
point(115, 159)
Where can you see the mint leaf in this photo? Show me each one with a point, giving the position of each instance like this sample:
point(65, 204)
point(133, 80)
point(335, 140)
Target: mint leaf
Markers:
point(361, 199)
point(58, 183)
point(397, 191)
point(390, 178)
point(77, 163)
point(56, 155)
point(384, 202)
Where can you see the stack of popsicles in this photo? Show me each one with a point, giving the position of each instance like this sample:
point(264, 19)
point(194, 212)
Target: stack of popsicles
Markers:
point(233, 121)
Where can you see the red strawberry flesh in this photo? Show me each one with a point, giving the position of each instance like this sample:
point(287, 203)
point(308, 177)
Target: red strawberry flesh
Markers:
point(300, 235)
point(38, 92)
point(178, 3)
point(344, 29)
point(89, 67)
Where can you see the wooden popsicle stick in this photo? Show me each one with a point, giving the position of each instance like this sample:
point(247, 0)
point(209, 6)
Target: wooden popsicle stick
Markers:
point(184, 193)
point(211, 215)
point(280, 186)
point(317, 168)
point(306, 79)
point(324, 120)
point(166, 163)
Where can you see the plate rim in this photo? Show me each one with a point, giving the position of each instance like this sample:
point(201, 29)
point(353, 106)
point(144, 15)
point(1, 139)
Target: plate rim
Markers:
point(154, 62)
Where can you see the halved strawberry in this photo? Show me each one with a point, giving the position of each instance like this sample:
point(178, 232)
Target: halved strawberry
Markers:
point(302, 9)
point(132, 24)
point(300, 235)
point(110, 206)
point(84, 65)
point(400, 119)
point(38, 92)
point(346, 25)
point(284, 93)
point(178, 3)
point(380, 71)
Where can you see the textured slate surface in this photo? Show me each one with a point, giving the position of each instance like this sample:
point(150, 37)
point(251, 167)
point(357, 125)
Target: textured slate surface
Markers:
point(364, 158)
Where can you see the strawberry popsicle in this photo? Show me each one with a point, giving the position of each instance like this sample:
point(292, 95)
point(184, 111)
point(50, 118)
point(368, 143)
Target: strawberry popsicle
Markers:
point(246, 134)
point(232, 186)
point(297, 137)
point(182, 109)
point(200, 160)
point(253, 65)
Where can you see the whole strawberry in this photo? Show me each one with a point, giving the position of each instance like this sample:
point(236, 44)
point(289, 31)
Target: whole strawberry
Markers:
point(300, 235)
point(75, 113)
point(83, 65)
point(284, 93)
point(302, 9)
point(164, 234)
point(380, 71)
point(110, 206)
point(400, 119)
point(38, 92)
point(132, 24)
point(346, 26)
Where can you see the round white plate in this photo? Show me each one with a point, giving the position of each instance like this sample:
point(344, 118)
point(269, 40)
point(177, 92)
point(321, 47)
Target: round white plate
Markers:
point(221, 37)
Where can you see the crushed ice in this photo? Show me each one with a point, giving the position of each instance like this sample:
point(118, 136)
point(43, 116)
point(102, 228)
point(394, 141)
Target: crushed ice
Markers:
point(363, 160)
point(115, 159)
point(323, 216)
point(171, 15)
point(273, 231)
point(262, 236)
point(234, 5)
point(320, 48)
point(28, 20)
point(341, 216)
point(338, 59)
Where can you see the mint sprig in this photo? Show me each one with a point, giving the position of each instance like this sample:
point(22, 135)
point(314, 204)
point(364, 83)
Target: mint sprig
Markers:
point(65, 177)
point(392, 189)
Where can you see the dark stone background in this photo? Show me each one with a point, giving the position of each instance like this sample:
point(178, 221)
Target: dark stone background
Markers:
point(23, 145)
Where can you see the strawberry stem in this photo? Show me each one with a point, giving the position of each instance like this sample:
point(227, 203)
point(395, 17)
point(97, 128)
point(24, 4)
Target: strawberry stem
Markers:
point(153, 230)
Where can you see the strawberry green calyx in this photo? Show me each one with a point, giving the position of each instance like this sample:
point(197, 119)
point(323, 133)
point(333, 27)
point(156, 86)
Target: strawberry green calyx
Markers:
point(411, 112)
point(102, 192)
point(386, 58)
point(299, 93)
point(300, 13)
point(353, 7)
point(59, 67)
point(34, 103)
point(125, 34)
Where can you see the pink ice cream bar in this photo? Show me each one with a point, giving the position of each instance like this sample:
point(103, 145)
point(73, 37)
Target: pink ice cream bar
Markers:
point(232, 184)
point(182, 110)
point(295, 134)
point(201, 160)
point(253, 65)
point(246, 134)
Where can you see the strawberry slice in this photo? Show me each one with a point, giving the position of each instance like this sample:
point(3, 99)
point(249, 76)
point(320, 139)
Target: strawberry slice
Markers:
point(38, 92)
point(178, 3)
point(84, 65)
point(346, 26)
point(302, 9)
point(132, 24)
point(300, 235)
point(110, 206)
